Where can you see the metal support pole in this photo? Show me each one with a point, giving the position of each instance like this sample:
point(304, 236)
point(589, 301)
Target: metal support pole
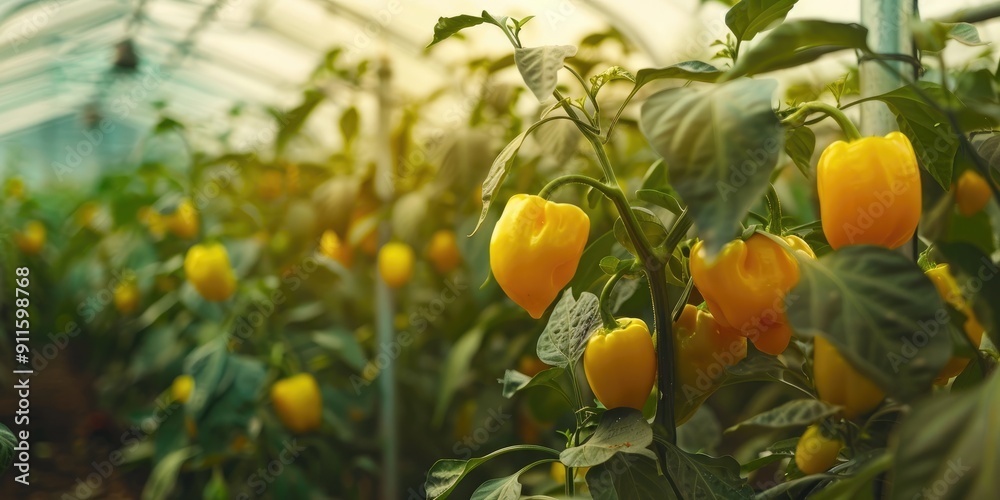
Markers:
point(384, 306)
point(888, 23)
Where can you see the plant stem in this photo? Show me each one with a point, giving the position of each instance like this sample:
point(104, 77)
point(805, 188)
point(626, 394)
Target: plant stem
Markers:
point(850, 130)
point(607, 317)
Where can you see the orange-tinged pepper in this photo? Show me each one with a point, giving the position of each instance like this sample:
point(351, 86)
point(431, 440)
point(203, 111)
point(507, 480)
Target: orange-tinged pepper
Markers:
point(745, 287)
point(838, 383)
point(950, 292)
point(395, 264)
point(443, 251)
point(816, 452)
point(32, 239)
point(332, 247)
point(620, 364)
point(207, 268)
point(972, 193)
point(535, 249)
point(298, 402)
point(702, 351)
point(869, 191)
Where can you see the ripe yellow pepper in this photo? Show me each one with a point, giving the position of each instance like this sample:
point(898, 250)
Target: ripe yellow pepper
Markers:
point(535, 249)
point(702, 350)
point(184, 221)
point(443, 251)
point(181, 389)
point(948, 288)
point(332, 247)
point(207, 268)
point(395, 264)
point(838, 383)
point(126, 296)
point(620, 364)
point(972, 193)
point(298, 402)
point(815, 452)
point(869, 191)
point(745, 287)
point(32, 239)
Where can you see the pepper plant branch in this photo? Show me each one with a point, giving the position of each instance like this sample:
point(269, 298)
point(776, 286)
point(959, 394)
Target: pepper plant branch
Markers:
point(850, 130)
point(607, 316)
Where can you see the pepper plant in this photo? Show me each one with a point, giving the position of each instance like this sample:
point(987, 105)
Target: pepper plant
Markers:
point(860, 332)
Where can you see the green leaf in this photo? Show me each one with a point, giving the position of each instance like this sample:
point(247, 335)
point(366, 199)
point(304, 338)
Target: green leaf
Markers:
point(720, 145)
point(609, 75)
point(799, 145)
point(504, 488)
point(798, 42)
point(933, 36)
point(857, 484)
point(628, 477)
point(455, 372)
point(881, 313)
point(621, 430)
point(448, 26)
point(539, 67)
point(345, 344)
point(688, 70)
point(589, 274)
point(704, 477)
point(611, 264)
point(565, 335)
point(794, 413)
point(7, 444)
point(951, 441)
point(749, 17)
point(927, 128)
point(291, 122)
point(514, 381)
point(649, 224)
point(349, 124)
point(164, 476)
point(445, 474)
point(660, 199)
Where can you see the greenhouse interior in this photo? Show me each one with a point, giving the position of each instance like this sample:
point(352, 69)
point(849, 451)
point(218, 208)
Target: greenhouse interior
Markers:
point(554, 249)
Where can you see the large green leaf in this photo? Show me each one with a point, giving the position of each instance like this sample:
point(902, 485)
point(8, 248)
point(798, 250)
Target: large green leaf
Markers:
point(800, 142)
point(798, 42)
point(720, 146)
point(456, 367)
point(628, 477)
point(504, 488)
point(881, 313)
point(621, 430)
point(798, 412)
point(703, 477)
point(565, 335)
point(948, 445)
point(445, 474)
point(539, 67)
point(749, 17)
point(688, 70)
point(446, 27)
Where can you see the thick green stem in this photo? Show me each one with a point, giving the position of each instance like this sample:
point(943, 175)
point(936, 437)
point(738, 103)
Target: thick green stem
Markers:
point(850, 130)
point(607, 316)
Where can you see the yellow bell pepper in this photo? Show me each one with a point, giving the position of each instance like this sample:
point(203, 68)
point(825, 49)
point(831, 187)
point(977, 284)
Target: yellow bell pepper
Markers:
point(332, 247)
point(869, 191)
point(32, 239)
point(207, 268)
point(702, 351)
point(620, 364)
point(745, 287)
point(972, 193)
point(298, 402)
point(948, 288)
point(535, 249)
point(443, 251)
point(815, 452)
point(395, 264)
point(184, 221)
point(126, 296)
point(182, 387)
point(838, 383)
